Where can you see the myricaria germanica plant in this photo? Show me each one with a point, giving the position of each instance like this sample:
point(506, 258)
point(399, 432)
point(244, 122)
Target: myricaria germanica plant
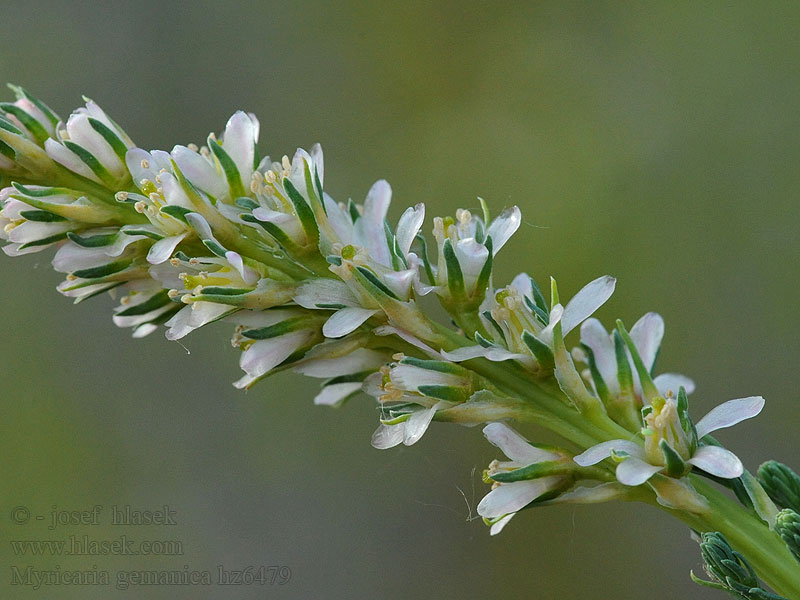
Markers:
point(329, 289)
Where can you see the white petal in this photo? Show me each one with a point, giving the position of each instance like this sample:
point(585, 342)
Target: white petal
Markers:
point(471, 257)
point(264, 355)
point(729, 413)
point(64, 156)
point(82, 133)
point(370, 231)
point(163, 249)
point(71, 257)
point(239, 142)
point(319, 162)
point(326, 292)
point(602, 451)
point(297, 174)
point(174, 193)
point(200, 225)
point(492, 353)
point(408, 226)
point(585, 302)
point(200, 171)
point(193, 316)
point(388, 436)
point(32, 231)
point(359, 360)
point(417, 424)
point(406, 336)
point(511, 497)
point(503, 227)
point(339, 221)
point(248, 275)
point(334, 394)
point(514, 446)
point(717, 461)
point(144, 330)
point(667, 382)
point(522, 283)
point(647, 334)
point(346, 320)
point(134, 320)
point(94, 111)
point(410, 377)
point(594, 335)
point(591, 495)
point(499, 525)
point(633, 471)
point(400, 282)
point(135, 159)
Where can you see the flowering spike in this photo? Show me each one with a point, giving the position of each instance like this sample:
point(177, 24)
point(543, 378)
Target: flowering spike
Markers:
point(333, 290)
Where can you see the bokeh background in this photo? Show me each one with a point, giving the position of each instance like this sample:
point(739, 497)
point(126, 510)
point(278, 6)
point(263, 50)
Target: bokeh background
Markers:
point(657, 142)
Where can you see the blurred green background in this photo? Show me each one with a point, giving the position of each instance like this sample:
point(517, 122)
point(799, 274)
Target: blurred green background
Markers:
point(653, 141)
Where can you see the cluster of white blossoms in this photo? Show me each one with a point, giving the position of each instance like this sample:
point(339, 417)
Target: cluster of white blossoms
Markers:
point(331, 290)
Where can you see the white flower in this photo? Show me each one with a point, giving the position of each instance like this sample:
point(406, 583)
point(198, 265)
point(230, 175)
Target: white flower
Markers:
point(344, 374)
point(669, 442)
point(271, 337)
point(526, 327)
point(411, 391)
point(505, 499)
point(464, 261)
point(646, 334)
point(351, 311)
point(31, 116)
point(223, 170)
point(91, 145)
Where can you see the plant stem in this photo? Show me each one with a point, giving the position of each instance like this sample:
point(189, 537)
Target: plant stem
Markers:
point(750, 536)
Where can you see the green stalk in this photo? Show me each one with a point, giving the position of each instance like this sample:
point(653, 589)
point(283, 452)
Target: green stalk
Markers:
point(545, 405)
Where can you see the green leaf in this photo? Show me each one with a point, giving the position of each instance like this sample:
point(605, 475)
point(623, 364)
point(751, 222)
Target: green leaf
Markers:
point(304, 212)
point(44, 241)
point(544, 356)
point(139, 230)
point(154, 302)
point(781, 483)
point(31, 124)
point(93, 241)
point(599, 382)
point(21, 92)
point(372, 279)
point(648, 387)
point(534, 471)
point(486, 272)
point(424, 254)
point(176, 212)
point(445, 392)
point(246, 203)
point(675, 465)
point(103, 270)
point(117, 145)
point(440, 366)
point(278, 234)
point(215, 248)
point(228, 167)
point(90, 161)
point(8, 151)
point(539, 300)
point(41, 216)
point(787, 525)
point(278, 329)
point(455, 278)
point(624, 372)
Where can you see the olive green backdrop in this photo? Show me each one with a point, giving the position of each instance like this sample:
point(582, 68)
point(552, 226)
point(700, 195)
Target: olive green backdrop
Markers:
point(657, 142)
